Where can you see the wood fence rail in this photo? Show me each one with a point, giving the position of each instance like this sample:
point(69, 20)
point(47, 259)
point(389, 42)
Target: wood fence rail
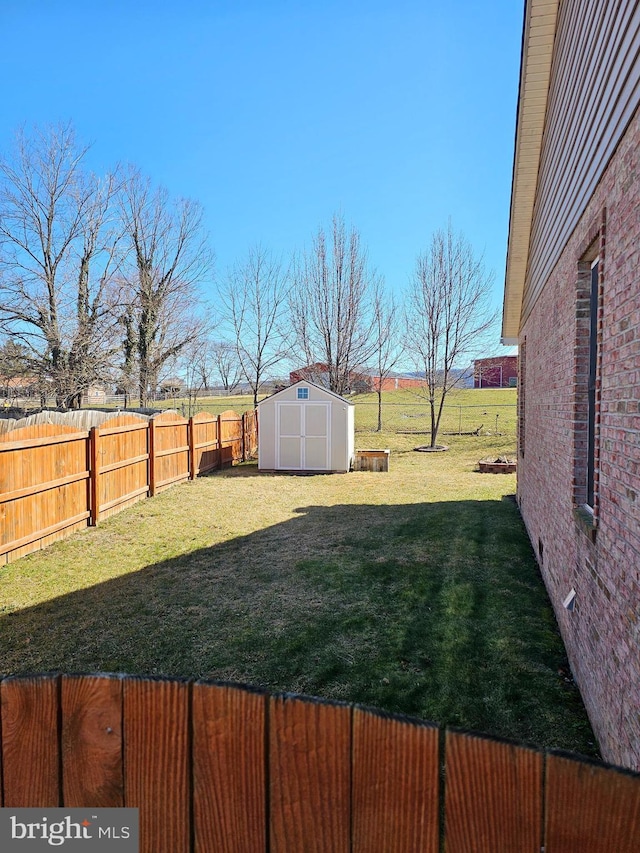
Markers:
point(219, 768)
point(56, 479)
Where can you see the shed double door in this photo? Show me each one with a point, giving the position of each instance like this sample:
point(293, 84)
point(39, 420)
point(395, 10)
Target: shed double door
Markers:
point(303, 436)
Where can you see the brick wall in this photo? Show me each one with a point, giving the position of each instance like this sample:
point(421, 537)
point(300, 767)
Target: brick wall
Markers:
point(599, 557)
point(393, 383)
point(495, 372)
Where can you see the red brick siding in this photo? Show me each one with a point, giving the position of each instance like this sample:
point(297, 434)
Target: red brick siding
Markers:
point(391, 383)
point(600, 560)
point(495, 372)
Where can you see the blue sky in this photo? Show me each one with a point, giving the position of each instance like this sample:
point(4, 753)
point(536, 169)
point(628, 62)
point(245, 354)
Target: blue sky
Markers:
point(276, 114)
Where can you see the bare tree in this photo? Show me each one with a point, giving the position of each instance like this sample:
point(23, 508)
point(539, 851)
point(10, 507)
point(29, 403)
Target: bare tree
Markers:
point(225, 364)
point(331, 304)
point(171, 258)
point(59, 257)
point(387, 340)
point(448, 314)
point(192, 366)
point(255, 300)
point(206, 361)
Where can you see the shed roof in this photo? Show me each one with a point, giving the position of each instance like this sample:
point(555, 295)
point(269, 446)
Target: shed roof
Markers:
point(305, 382)
point(538, 34)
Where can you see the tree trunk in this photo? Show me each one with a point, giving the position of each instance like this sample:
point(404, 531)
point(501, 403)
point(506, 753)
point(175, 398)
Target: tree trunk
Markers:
point(434, 422)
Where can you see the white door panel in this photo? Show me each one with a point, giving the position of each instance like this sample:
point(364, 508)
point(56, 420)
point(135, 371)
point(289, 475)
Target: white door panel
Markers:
point(303, 436)
point(290, 453)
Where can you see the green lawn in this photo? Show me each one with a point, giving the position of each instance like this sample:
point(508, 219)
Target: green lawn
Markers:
point(407, 411)
point(415, 591)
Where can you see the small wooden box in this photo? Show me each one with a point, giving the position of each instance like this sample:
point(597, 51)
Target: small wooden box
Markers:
point(371, 460)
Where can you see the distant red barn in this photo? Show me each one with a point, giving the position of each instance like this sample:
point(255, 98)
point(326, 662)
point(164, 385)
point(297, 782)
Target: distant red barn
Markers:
point(499, 372)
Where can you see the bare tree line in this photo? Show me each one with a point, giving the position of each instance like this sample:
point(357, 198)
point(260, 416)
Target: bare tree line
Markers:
point(326, 310)
point(101, 281)
point(99, 276)
point(331, 309)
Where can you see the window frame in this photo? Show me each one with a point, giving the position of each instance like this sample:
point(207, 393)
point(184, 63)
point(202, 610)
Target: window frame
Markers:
point(586, 400)
point(592, 383)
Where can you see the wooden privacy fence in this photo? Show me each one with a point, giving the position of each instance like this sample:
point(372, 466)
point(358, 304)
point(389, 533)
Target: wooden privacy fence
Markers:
point(55, 479)
point(218, 768)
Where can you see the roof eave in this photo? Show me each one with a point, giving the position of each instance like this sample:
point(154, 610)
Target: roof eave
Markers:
point(540, 18)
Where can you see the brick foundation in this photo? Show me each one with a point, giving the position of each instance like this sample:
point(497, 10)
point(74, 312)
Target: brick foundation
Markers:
point(599, 554)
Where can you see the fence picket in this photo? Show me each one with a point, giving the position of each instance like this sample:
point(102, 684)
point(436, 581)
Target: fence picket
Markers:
point(30, 741)
point(192, 450)
point(94, 479)
point(310, 775)
point(485, 778)
point(229, 768)
point(590, 807)
point(157, 762)
point(92, 773)
point(151, 450)
point(395, 785)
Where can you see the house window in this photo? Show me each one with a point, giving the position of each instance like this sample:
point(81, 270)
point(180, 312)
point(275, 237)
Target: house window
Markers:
point(303, 393)
point(592, 381)
point(586, 402)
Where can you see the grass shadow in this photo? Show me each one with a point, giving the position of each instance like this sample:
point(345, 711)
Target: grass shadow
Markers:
point(436, 610)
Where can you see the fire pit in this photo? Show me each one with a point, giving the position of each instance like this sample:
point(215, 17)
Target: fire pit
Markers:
point(499, 465)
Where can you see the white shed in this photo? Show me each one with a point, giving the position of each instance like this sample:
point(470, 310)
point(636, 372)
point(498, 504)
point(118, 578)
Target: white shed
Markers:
point(305, 428)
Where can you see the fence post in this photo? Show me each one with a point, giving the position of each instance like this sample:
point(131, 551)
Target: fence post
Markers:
point(151, 442)
point(244, 437)
point(254, 433)
point(192, 450)
point(94, 475)
point(219, 443)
